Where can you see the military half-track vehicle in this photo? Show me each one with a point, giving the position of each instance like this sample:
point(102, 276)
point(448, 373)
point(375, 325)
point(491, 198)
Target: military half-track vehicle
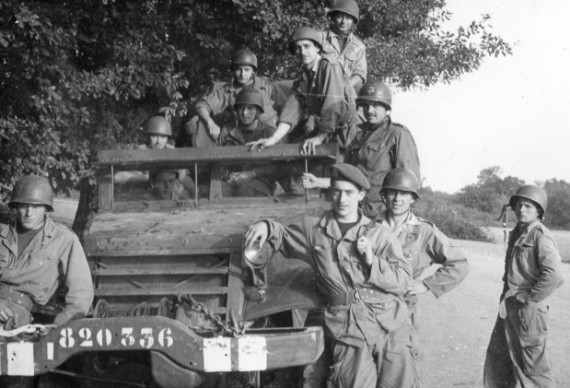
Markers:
point(175, 304)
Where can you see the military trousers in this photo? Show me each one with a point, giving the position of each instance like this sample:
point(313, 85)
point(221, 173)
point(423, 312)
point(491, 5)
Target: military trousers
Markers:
point(388, 363)
point(517, 354)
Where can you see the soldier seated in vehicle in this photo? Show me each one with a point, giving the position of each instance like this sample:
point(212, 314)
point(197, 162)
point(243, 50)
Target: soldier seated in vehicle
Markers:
point(159, 136)
point(247, 181)
point(161, 185)
point(215, 108)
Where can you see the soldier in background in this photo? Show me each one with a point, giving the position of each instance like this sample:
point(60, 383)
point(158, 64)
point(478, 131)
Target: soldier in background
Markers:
point(379, 146)
point(214, 109)
point(340, 42)
point(517, 355)
point(423, 244)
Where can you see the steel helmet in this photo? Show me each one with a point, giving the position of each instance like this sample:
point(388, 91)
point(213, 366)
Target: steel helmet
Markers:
point(532, 192)
point(33, 190)
point(157, 125)
point(245, 57)
point(401, 179)
point(348, 7)
point(375, 91)
point(249, 96)
point(306, 33)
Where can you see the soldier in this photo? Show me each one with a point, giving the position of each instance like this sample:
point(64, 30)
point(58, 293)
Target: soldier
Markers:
point(37, 256)
point(159, 136)
point(247, 181)
point(423, 243)
point(360, 268)
point(340, 42)
point(215, 108)
point(517, 355)
point(323, 91)
point(379, 146)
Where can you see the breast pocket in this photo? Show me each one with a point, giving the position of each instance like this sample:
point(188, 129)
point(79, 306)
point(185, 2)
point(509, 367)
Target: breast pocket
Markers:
point(525, 257)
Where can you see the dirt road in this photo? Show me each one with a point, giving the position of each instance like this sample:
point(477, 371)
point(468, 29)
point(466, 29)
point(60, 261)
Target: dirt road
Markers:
point(455, 329)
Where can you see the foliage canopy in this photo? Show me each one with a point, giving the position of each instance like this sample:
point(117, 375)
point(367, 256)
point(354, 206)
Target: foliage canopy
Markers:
point(78, 76)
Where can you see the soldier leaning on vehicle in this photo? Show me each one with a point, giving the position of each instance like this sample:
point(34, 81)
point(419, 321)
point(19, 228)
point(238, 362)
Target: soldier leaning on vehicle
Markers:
point(215, 108)
point(340, 42)
point(379, 146)
point(322, 98)
point(39, 257)
point(423, 244)
point(360, 268)
point(517, 354)
point(247, 181)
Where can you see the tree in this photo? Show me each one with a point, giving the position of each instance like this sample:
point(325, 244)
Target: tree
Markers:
point(490, 192)
point(558, 212)
point(82, 75)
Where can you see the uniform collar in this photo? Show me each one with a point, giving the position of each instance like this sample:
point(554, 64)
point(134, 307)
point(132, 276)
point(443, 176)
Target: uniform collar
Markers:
point(330, 226)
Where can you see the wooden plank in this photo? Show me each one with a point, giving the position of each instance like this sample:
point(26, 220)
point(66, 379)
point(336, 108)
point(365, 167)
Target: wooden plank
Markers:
point(171, 158)
point(162, 291)
point(106, 193)
point(236, 297)
point(215, 183)
point(166, 271)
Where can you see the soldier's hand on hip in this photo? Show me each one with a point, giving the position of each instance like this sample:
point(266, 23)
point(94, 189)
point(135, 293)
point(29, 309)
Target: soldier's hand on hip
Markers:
point(258, 231)
point(418, 287)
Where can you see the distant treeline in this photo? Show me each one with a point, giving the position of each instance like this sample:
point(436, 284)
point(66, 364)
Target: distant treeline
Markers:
point(465, 214)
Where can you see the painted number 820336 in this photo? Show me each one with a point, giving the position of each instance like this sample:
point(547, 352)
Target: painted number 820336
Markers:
point(128, 337)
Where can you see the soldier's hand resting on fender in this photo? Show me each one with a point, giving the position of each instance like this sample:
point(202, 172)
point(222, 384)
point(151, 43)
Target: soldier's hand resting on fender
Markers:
point(311, 143)
point(257, 231)
point(365, 249)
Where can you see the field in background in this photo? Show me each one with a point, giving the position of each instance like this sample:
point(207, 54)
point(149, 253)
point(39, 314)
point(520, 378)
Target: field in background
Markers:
point(562, 238)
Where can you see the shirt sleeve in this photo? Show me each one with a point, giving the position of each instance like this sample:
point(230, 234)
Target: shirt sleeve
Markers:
point(550, 266)
point(407, 154)
point(291, 240)
point(292, 110)
point(454, 265)
point(390, 271)
point(78, 282)
point(360, 65)
point(216, 101)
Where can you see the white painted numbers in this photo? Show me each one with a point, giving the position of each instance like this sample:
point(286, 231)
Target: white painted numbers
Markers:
point(128, 337)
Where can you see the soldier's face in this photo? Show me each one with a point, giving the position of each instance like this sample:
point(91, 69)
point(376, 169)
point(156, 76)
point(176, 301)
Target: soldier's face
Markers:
point(243, 74)
point(30, 217)
point(374, 112)
point(158, 141)
point(398, 202)
point(307, 52)
point(345, 198)
point(526, 211)
point(342, 23)
point(164, 186)
point(247, 114)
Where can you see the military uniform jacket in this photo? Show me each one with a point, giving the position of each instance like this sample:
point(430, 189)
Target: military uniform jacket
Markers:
point(376, 152)
point(339, 269)
point(53, 256)
point(423, 245)
point(352, 57)
point(221, 99)
point(533, 264)
point(233, 136)
point(325, 93)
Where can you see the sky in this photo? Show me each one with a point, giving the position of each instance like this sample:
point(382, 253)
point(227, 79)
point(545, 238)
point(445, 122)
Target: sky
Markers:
point(511, 112)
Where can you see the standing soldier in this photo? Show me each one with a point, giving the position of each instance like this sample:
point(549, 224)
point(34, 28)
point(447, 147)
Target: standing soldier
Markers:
point(379, 146)
point(517, 355)
point(323, 91)
point(215, 108)
point(360, 268)
point(423, 243)
point(340, 42)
